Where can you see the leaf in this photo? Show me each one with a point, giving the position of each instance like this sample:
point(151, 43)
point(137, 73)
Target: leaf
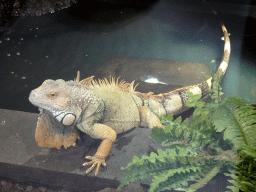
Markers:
point(161, 155)
point(178, 120)
point(182, 160)
point(185, 123)
point(191, 159)
point(168, 128)
point(197, 112)
point(152, 158)
point(186, 135)
point(169, 117)
point(200, 183)
point(178, 132)
point(230, 119)
point(226, 121)
point(193, 99)
point(161, 135)
point(171, 152)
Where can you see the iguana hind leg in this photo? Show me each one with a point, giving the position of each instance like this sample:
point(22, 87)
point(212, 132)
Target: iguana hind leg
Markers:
point(149, 119)
point(108, 135)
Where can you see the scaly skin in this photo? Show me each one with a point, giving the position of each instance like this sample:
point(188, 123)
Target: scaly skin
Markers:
point(105, 108)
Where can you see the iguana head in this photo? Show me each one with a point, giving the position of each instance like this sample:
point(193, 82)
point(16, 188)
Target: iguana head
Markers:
point(58, 97)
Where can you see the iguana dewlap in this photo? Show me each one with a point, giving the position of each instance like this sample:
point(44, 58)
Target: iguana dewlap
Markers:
point(105, 108)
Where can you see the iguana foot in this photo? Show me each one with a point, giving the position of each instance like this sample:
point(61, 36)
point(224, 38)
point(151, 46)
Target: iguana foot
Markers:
point(149, 119)
point(161, 126)
point(96, 160)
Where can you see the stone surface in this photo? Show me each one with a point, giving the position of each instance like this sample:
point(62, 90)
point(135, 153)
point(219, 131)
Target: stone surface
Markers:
point(168, 75)
point(23, 160)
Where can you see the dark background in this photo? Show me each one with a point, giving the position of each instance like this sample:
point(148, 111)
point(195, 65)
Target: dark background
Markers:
point(76, 36)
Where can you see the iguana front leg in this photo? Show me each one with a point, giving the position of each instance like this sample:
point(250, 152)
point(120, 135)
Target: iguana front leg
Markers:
point(108, 135)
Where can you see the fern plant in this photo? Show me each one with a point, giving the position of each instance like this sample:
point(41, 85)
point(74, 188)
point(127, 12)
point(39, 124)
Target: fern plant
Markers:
point(220, 137)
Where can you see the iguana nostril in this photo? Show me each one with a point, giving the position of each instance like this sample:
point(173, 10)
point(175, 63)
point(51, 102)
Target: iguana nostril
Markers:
point(32, 94)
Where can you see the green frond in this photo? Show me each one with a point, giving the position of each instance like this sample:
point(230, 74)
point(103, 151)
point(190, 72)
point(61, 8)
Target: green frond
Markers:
point(228, 155)
point(146, 170)
point(165, 119)
point(200, 183)
point(234, 102)
point(248, 151)
point(241, 181)
point(174, 131)
point(243, 177)
point(246, 170)
point(168, 179)
point(229, 119)
point(216, 89)
point(180, 180)
point(219, 133)
point(235, 186)
point(158, 164)
point(246, 116)
point(193, 99)
point(137, 160)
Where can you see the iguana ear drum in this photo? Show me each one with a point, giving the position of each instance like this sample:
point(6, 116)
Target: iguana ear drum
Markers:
point(66, 119)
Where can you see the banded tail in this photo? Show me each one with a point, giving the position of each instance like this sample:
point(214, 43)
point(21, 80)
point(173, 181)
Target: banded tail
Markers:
point(174, 101)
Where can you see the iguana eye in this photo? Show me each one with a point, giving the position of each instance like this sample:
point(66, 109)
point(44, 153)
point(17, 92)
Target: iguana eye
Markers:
point(53, 94)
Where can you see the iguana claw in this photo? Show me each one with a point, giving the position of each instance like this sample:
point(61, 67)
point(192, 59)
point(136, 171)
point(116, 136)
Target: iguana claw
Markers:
point(96, 160)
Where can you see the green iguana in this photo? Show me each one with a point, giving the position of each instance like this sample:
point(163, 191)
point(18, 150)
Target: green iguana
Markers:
point(105, 108)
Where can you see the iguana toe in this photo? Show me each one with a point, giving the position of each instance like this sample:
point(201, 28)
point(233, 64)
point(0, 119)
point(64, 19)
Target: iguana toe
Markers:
point(96, 160)
point(162, 126)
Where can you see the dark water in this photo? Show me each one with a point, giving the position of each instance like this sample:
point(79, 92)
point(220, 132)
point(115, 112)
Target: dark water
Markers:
point(57, 45)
